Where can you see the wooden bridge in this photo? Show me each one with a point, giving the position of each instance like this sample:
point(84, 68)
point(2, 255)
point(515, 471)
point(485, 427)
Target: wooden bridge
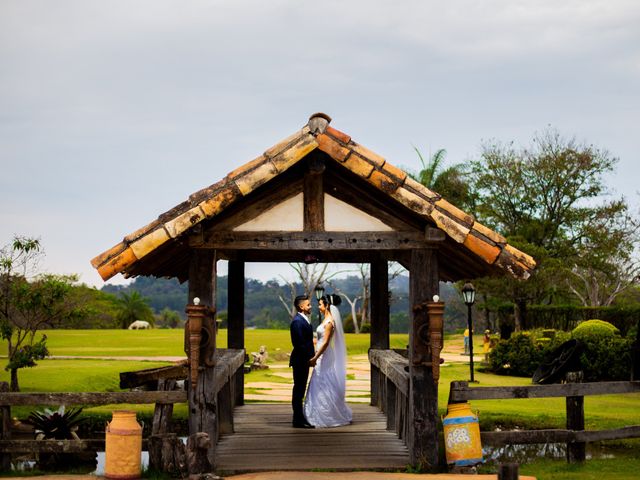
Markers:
point(318, 196)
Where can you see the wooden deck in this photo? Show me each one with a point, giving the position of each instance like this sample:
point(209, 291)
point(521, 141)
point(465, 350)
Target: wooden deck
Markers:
point(265, 440)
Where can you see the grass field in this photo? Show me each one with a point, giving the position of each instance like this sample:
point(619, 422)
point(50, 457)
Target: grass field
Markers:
point(68, 375)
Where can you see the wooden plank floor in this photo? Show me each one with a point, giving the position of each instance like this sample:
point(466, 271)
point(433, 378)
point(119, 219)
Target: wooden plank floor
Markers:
point(265, 440)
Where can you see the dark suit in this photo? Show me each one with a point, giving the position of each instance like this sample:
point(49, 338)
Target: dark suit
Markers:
point(303, 351)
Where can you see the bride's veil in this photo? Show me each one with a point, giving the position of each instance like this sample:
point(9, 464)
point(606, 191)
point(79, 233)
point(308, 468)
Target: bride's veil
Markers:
point(340, 348)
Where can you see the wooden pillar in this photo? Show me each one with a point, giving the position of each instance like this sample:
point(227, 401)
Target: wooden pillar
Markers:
point(422, 438)
point(235, 321)
point(202, 403)
point(379, 319)
point(313, 194)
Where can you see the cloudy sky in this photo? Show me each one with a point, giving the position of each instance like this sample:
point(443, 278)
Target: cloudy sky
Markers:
point(112, 112)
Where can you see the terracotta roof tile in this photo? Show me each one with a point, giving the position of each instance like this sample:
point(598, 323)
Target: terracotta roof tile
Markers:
point(247, 167)
point(454, 229)
point(522, 257)
point(421, 190)
point(373, 157)
point(395, 172)
point(117, 264)
point(141, 231)
point(285, 159)
point(482, 248)
point(490, 234)
point(412, 201)
point(210, 201)
point(183, 222)
point(358, 165)
point(454, 211)
point(509, 263)
point(383, 182)
point(220, 200)
point(256, 177)
point(332, 148)
point(104, 256)
point(343, 137)
point(286, 143)
point(149, 242)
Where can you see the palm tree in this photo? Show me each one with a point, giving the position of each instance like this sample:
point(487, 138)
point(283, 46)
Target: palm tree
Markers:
point(451, 182)
point(132, 307)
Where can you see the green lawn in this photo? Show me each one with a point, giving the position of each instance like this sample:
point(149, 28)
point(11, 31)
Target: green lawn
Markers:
point(170, 342)
point(601, 412)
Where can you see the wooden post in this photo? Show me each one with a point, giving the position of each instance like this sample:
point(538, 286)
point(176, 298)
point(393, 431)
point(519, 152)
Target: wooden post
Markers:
point(508, 471)
point(379, 319)
point(313, 195)
point(202, 403)
point(5, 429)
point(225, 409)
point(576, 451)
point(236, 321)
point(422, 438)
point(391, 405)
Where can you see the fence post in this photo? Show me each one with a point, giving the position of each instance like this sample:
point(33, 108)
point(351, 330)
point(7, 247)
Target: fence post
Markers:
point(508, 471)
point(5, 430)
point(576, 451)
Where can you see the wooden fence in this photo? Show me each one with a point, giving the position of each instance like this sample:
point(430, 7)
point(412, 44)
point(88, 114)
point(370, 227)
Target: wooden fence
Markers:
point(575, 436)
point(228, 363)
point(390, 388)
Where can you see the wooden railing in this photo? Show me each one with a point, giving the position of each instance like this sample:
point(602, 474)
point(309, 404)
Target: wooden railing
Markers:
point(390, 388)
point(228, 363)
point(574, 435)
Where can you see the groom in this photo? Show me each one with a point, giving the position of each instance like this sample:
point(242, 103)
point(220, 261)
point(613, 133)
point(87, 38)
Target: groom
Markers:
point(303, 351)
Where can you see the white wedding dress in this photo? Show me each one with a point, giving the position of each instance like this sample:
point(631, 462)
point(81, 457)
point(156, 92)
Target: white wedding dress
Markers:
point(325, 404)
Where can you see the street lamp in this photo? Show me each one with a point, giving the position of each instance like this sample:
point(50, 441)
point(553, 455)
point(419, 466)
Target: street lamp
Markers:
point(319, 291)
point(469, 296)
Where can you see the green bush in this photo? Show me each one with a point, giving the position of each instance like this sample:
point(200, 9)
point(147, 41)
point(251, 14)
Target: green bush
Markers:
point(606, 355)
point(594, 328)
point(521, 354)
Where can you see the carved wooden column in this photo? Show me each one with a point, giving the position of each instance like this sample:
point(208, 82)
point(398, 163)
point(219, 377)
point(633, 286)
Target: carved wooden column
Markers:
point(201, 320)
point(235, 320)
point(379, 319)
point(422, 439)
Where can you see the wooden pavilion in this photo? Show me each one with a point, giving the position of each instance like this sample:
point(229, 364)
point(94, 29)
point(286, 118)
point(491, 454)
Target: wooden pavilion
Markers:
point(318, 196)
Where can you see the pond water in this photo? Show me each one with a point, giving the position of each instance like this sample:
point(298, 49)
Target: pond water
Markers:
point(523, 453)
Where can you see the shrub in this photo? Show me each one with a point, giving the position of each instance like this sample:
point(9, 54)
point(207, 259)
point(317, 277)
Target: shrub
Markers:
point(591, 329)
point(521, 354)
point(606, 355)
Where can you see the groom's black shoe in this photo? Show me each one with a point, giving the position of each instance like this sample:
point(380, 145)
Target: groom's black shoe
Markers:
point(303, 424)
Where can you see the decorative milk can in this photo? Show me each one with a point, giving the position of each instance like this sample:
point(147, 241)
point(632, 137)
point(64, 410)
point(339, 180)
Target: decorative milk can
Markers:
point(123, 446)
point(462, 435)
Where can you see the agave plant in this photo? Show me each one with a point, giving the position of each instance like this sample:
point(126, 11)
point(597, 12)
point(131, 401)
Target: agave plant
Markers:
point(58, 425)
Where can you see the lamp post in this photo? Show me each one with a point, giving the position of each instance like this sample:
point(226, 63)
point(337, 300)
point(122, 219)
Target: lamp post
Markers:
point(319, 291)
point(469, 296)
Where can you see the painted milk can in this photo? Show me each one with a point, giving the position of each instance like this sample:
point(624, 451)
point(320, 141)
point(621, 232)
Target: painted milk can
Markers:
point(462, 435)
point(123, 446)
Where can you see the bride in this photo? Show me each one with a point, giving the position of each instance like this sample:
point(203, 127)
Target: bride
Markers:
point(325, 404)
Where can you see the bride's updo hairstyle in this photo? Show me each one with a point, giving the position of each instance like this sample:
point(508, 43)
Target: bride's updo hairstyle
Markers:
point(331, 299)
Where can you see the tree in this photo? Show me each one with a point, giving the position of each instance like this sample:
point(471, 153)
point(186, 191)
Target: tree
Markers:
point(451, 182)
point(131, 307)
point(168, 318)
point(27, 306)
point(310, 276)
point(546, 199)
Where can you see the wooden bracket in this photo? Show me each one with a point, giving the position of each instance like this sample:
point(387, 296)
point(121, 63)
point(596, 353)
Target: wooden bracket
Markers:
point(200, 338)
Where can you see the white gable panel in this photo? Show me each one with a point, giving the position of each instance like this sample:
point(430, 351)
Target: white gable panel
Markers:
point(342, 217)
point(284, 217)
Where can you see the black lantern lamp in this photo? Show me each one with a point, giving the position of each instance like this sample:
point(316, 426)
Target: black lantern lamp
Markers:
point(469, 296)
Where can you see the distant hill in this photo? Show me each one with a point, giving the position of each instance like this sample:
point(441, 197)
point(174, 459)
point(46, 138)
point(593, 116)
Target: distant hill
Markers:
point(263, 308)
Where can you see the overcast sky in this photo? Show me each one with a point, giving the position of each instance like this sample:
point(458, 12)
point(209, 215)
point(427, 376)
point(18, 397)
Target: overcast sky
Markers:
point(112, 112)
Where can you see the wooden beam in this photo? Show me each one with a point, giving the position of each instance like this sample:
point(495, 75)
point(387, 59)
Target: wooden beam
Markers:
point(423, 391)
point(308, 241)
point(379, 304)
point(314, 195)
point(461, 392)
point(235, 320)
